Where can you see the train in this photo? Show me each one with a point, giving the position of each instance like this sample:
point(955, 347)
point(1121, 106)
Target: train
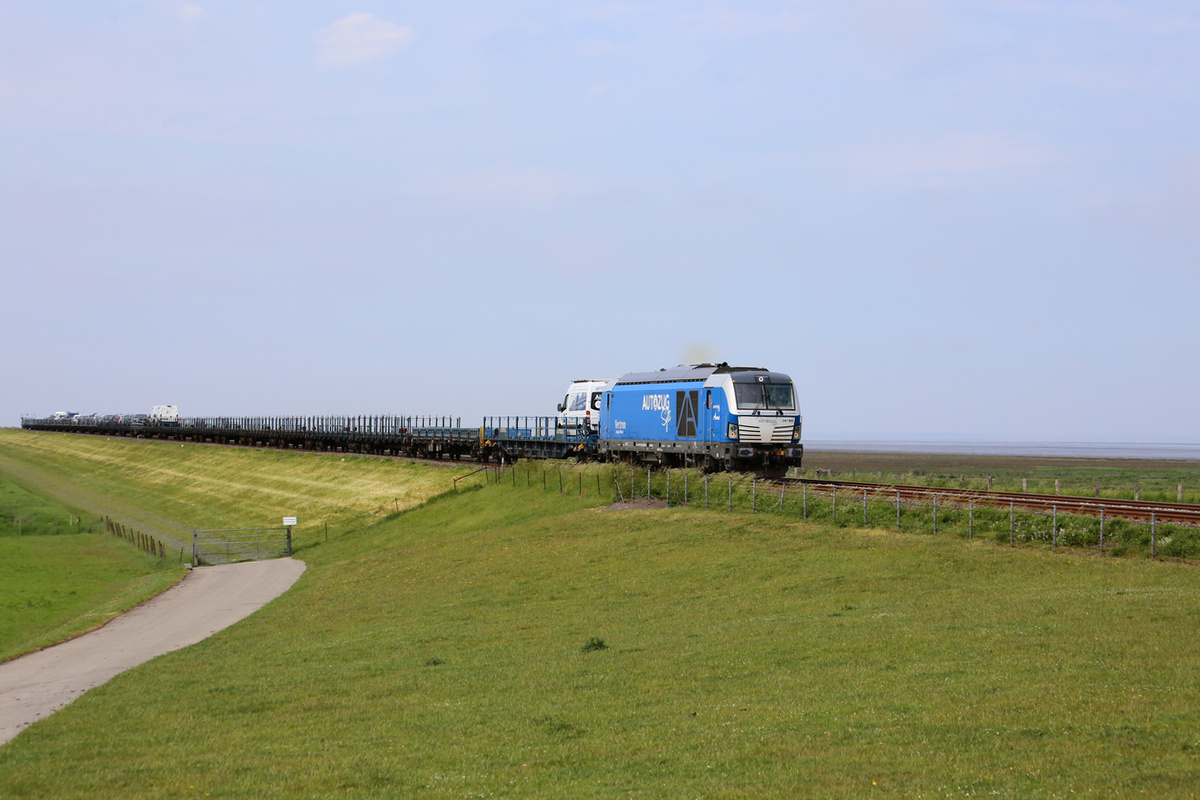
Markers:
point(714, 417)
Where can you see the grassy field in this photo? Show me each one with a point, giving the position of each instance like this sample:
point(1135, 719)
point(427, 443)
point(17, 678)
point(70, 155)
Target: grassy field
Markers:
point(169, 489)
point(61, 574)
point(453, 650)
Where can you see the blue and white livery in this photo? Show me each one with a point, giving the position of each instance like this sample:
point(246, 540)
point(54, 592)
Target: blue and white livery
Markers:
point(709, 415)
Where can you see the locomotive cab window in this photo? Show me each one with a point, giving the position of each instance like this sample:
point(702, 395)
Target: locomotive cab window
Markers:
point(764, 396)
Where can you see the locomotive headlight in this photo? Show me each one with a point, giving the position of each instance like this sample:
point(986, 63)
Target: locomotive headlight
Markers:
point(796, 431)
point(733, 432)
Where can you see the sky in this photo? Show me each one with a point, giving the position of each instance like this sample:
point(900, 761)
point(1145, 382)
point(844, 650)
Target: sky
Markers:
point(944, 220)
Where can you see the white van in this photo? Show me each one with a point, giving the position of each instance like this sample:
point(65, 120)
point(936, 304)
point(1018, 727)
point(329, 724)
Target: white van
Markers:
point(579, 412)
point(164, 415)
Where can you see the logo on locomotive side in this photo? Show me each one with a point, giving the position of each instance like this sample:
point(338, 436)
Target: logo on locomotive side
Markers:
point(656, 402)
point(660, 403)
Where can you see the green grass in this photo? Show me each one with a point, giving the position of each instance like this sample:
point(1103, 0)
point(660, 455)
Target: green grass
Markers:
point(23, 513)
point(56, 581)
point(168, 489)
point(443, 652)
point(55, 587)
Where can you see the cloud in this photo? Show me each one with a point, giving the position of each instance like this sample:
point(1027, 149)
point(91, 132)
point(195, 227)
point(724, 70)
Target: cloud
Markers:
point(358, 38)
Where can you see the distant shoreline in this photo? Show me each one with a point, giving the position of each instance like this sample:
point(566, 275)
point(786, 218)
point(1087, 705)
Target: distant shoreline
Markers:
point(1183, 452)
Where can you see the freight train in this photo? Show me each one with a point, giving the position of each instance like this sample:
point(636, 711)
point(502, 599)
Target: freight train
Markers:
point(711, 416)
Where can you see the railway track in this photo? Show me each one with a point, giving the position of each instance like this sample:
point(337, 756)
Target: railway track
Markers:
point(1151, 511)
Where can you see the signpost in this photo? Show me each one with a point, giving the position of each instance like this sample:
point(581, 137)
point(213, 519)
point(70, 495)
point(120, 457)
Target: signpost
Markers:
point(289, 523)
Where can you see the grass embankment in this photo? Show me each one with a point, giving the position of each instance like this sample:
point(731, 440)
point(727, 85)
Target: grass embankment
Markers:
point(172, 488)
point(61, 575)
point(441, 653)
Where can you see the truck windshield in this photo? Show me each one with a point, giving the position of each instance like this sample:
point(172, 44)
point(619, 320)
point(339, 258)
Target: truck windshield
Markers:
point(764, 396)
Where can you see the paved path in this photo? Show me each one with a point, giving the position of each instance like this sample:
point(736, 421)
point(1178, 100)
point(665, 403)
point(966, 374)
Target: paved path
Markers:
point(209, 599)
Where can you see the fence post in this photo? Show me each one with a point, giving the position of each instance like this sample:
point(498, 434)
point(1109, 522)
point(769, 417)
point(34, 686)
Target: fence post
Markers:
point(685, 488)
point(1054, 524)
point(935, 512)
point(1153, 536)
point(864, 507)
point(897, 510)
point(782, 489)
point(754, 494)
point(1012, 521)
point(835, 505)
point(706, 490)
point(805, 506)
point(971, 520)
point(1101, 530)
point(668, 487)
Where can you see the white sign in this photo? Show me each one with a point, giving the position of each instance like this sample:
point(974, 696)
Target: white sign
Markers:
point(289, 522)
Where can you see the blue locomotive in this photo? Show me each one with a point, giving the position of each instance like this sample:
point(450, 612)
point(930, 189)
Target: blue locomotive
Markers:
point(709, 415)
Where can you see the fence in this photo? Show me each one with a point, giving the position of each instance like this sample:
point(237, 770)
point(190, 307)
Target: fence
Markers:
point(140, 540)
point(230, 545)
point(1113, 529)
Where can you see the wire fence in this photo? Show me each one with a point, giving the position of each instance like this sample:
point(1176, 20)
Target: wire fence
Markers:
point(138, 539)
point(842, 507)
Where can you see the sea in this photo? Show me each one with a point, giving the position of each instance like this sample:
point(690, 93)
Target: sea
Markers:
point(1183, 452)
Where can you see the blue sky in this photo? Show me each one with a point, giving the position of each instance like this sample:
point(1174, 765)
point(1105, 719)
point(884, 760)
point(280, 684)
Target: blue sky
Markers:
point(944, 220)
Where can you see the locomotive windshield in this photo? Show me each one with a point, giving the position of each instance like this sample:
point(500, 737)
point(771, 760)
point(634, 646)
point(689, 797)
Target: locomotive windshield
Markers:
point(764, 396)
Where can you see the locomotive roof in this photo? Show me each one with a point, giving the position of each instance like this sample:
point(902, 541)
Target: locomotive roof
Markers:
point(696, 372)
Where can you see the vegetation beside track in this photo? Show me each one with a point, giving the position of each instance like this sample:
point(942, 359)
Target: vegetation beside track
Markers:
point(515, 641)
point(171, 488)
point(1123, 478)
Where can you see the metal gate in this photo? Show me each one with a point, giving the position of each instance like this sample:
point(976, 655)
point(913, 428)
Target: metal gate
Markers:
point(230, 545)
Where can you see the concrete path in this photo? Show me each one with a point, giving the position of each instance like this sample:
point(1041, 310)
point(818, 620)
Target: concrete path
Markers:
point(209, 599)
